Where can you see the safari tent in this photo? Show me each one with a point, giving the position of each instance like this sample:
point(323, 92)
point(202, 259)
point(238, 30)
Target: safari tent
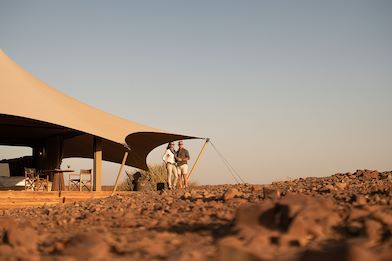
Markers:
point(57, 126)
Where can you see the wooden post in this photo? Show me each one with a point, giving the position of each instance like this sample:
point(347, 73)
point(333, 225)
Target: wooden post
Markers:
point(119, 171)
point(97, 176)
point(198, 158)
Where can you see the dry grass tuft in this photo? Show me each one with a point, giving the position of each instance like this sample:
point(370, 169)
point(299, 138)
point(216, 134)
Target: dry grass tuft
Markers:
point(147, 179)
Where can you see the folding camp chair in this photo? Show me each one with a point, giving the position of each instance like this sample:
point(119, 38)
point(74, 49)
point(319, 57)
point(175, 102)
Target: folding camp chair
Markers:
point(42, 182)
point(30, 178)
point(81, 180)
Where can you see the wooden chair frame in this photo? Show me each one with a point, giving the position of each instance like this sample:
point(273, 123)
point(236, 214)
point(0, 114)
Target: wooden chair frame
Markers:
point(80, 180)
point(34, 180)
point(42, 182)
point(30, 178)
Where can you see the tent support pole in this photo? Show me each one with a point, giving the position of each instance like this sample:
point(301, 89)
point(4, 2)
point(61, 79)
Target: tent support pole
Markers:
point(97, 181)
point(198, 158)
point(119, 171)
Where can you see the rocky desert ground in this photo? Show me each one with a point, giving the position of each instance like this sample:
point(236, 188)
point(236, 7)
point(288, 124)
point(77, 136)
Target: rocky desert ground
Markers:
point(346, 216)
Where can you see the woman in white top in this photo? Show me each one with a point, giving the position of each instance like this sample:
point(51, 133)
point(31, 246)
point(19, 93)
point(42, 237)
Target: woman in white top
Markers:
point(171, 167)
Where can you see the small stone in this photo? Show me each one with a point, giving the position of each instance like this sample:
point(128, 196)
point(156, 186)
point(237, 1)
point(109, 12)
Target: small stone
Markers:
point(368, 175)
point(6, 223)
point(59, 246)
point(230, 194)
point(157, 249)
point(199, 202)
point(361, 200)
point(231, 248)
point(384, 217)
point(22, 238)
point(6, 250)
point(187, 195)
point(196, 194)
point(86, 246)
point(255, 188)
point(326, 189)
point(342, 252)
point(341, 185)
point(355, 228)
point(271, 193)
point(374, 230)
point(358, 213)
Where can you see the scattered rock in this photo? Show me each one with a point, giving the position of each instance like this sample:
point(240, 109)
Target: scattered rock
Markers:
point(345, 216)
point(23, 238)
point(7, 223)
point(295, 219)
point(357, 213)
point(355, 228)
point(374, 230)
point(232, 248)
point(341, 252)
point(230, 194)
point(271, 193)
point(187, 195)
point(86, 246)
point(361, 200)
point(384, 216)
point(367, 175)
point(341, 185)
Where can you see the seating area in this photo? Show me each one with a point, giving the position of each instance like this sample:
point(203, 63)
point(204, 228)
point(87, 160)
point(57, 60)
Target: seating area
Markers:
point(45, 180)
point(38, 180)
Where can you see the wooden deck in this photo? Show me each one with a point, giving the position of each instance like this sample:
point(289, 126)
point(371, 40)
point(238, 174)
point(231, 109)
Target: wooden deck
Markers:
point(18, 199)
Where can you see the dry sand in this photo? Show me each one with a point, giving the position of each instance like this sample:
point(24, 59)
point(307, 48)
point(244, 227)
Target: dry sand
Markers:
point(342, 217)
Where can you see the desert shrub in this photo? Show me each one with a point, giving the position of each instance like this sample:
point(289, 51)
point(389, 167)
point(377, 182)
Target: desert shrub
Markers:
point(126, 184)
point(148, 179)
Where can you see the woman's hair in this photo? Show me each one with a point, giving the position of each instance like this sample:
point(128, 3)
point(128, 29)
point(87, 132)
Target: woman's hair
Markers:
point(168, 145)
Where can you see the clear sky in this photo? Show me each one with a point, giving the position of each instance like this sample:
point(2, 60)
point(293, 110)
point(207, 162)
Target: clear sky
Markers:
point(283, 88)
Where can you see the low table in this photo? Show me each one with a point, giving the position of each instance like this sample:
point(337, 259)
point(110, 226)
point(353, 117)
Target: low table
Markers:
point(58, 178)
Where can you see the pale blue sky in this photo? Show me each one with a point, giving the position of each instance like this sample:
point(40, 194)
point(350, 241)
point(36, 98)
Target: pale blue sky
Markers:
point(283, 88)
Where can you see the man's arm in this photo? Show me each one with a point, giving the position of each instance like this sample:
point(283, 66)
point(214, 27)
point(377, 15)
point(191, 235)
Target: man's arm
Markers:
point(187, 157)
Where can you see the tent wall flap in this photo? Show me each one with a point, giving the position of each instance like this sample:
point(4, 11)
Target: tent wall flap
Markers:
point(142, 143)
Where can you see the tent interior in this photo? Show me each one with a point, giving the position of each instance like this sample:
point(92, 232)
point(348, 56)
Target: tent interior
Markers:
point(45, 139)
point(50, 143)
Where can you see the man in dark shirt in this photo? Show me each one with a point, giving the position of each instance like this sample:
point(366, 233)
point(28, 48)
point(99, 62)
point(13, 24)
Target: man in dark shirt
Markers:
point(182, 157)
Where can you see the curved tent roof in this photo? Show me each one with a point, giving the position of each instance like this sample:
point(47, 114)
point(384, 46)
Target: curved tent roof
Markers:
point(25, 101)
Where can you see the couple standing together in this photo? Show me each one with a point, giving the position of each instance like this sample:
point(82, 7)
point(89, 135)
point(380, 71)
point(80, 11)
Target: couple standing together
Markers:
point(176, 164)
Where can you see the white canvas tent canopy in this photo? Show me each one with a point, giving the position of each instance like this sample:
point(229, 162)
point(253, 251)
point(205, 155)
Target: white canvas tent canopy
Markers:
point(58, 126)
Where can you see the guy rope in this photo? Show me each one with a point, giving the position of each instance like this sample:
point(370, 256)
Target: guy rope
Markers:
point(232, 171)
